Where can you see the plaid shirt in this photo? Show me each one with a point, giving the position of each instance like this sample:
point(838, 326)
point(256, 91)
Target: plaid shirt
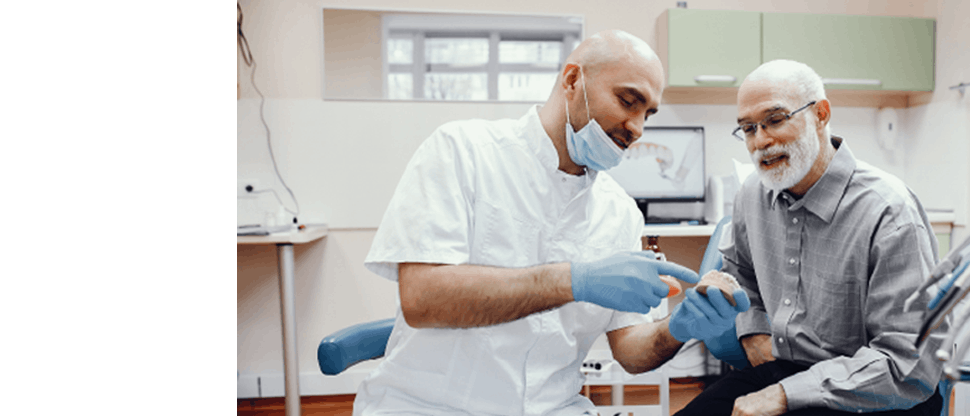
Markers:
point(832, 270)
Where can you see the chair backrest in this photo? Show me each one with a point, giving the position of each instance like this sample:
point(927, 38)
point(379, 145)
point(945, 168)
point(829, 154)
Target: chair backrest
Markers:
point(712, 257)
point(726, 346)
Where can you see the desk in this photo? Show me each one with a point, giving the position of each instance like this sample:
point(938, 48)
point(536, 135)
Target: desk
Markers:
point(284, 250)
point(679, 230)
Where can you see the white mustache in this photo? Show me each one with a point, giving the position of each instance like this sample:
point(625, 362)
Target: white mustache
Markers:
point(771, 153)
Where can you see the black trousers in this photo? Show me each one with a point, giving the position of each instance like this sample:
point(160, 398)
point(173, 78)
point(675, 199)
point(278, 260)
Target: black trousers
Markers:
point(718, 398)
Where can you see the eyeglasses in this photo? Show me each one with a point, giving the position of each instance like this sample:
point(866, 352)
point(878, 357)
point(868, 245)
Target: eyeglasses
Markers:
point(769, 124)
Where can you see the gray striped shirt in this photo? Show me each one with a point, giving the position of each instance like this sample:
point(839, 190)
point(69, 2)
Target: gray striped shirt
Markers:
point(832, 270)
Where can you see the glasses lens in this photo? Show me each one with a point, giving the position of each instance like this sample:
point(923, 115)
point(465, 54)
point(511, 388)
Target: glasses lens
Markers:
point(776, 120)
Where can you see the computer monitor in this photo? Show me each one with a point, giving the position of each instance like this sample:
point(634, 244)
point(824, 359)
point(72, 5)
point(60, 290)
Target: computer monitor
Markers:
point(666, 165)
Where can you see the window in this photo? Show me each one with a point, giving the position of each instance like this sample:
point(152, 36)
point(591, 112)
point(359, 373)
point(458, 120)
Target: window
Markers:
point(475, 57)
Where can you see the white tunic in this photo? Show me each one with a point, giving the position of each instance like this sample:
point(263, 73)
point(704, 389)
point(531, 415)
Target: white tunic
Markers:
point(490, 193)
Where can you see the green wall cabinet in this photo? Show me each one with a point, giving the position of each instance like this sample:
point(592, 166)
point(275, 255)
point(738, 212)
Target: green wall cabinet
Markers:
point(855, 52)
point(709, 47)
point(715, 48)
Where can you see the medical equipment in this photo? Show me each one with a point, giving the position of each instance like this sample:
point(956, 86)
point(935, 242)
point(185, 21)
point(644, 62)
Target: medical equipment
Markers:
point(952, 275)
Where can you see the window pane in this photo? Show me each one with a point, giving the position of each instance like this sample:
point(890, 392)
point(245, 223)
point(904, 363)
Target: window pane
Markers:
point(456, 51)
point(400, 86)
point(400, 51)
point(529, 52)
point(456, 86)
point(525, 86)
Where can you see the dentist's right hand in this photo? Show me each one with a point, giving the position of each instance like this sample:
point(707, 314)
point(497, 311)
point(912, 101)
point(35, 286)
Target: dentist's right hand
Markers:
point(627, 282)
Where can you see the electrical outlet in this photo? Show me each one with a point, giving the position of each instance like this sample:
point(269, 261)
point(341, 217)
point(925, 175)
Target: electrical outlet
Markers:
point(246, 187)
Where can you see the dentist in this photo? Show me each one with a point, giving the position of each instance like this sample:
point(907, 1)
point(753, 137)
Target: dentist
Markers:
point(514, 251)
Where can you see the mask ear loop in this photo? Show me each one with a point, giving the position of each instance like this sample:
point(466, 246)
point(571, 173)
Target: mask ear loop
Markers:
point(585, 97)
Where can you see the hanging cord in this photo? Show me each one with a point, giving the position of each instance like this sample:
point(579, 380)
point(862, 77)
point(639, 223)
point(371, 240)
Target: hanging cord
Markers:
point(248, 59)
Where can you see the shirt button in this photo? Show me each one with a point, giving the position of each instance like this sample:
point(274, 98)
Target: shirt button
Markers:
point(564, 179)
point(794, 220)
point(781, 340)
point(791, 261)
point(787, 301)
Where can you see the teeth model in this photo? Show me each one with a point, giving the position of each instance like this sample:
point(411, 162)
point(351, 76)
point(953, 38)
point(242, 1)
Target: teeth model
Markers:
point(723, 281)
point(674, 284)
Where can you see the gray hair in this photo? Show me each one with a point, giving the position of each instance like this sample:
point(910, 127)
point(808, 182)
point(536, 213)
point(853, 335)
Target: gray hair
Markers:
point(804, 83)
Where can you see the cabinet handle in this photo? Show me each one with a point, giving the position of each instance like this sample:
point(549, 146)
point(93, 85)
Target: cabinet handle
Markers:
point(715, 78)
point(850, 81)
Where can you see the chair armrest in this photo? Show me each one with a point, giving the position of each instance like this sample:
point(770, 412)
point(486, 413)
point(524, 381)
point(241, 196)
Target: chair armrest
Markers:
point(353, 344)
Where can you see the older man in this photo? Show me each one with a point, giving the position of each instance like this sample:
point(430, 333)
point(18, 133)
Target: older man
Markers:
point(513, 252)
point(828, 248)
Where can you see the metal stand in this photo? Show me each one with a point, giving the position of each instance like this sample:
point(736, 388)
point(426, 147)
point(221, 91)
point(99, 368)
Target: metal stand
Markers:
point(291, 371)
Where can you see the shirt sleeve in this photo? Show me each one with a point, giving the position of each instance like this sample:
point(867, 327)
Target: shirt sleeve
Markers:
point(428, 218)
point(736, 256)
point(889, 372)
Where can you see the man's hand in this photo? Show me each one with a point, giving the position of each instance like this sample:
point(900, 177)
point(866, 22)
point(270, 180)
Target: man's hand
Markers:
point(769, 401)
point(758, 348)
point(628, 282)
point(704, 317)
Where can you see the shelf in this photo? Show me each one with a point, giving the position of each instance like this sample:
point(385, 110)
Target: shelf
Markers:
point(838, 98)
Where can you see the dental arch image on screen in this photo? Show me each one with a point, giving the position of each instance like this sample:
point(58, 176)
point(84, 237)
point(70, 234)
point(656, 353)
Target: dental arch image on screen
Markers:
point(665, 164)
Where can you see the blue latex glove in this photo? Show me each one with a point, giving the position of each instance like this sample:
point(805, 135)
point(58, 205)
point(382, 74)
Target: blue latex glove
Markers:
point(626, 282)
point(704, 317)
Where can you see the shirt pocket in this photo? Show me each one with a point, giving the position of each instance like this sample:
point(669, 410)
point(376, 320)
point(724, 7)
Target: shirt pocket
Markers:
point(505, 238)
point(835, 313)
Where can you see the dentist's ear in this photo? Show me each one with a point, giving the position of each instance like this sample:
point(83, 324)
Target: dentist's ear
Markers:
point(570, 78)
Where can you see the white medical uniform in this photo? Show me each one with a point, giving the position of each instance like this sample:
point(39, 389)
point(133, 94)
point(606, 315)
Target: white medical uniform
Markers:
point(490, 193)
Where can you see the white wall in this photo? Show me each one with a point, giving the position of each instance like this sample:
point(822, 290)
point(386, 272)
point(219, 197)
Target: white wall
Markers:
point(342, 158)
point(938, 134)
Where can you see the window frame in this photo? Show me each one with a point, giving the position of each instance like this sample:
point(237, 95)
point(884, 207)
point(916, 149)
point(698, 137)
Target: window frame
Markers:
point(496, 28)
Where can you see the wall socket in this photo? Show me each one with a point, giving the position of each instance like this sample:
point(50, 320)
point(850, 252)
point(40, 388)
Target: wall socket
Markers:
point(246, 187)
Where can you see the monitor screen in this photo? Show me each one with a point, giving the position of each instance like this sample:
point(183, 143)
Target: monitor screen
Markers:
point(665, 164)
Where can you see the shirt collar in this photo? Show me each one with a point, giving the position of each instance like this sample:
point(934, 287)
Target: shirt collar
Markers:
point(823, 197)
point(539, 141)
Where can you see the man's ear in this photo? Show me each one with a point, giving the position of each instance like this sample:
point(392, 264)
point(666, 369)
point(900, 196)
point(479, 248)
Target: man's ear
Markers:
point(570, 78)
point(823, 112)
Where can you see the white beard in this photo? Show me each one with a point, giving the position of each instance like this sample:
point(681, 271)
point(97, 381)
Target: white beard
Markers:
point(801, 156)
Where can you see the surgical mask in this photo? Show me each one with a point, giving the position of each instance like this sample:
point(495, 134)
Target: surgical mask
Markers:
point(591, 146)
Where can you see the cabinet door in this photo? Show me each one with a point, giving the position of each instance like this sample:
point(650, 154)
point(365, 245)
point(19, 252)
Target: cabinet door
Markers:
point(855, 52)
point(711, 47)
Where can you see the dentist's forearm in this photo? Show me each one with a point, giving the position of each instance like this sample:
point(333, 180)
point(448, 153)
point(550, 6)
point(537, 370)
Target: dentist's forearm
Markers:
point(463, 296)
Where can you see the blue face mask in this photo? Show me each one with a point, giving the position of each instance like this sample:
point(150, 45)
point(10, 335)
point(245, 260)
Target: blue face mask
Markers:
point(591, 146)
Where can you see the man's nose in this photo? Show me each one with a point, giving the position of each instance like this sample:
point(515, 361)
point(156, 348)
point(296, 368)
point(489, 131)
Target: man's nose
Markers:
point(761, 139)
point(635, 127)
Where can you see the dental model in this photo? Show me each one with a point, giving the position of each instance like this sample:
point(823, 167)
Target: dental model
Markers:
point(723, 281)
point(674, 284)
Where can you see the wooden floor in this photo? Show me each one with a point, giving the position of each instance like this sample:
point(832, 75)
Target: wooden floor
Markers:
point(681, 393)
